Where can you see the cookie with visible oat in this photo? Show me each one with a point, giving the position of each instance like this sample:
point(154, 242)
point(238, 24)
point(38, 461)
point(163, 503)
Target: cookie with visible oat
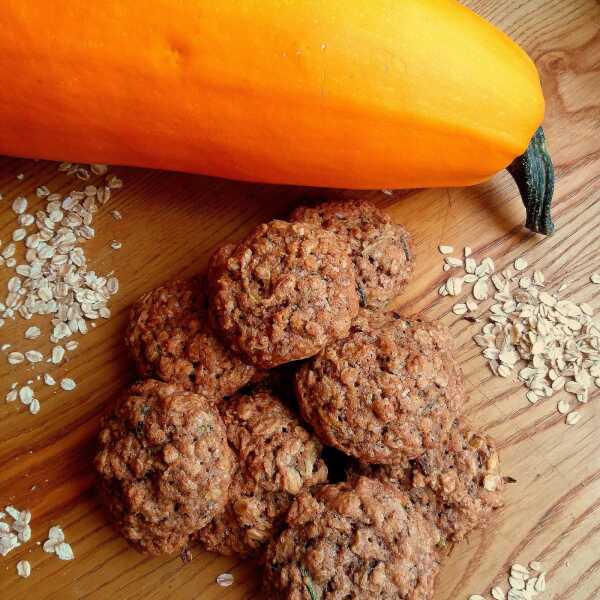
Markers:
point(164, 465)
point(283, 293)
point(386, 393)
point(277, 459)
point(382, 251)
point(170, 338)
point(362, 540)
point(457, 485)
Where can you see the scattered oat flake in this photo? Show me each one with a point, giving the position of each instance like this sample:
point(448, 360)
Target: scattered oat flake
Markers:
point(11, 396)
point(99, 169)
point(34, 356)
point(460, 309)
point(520, 571)
point(32, 333)
point(67, 384)
point(116, 215)
point(573, 418)
point(116, 245)
point(225, 579)
point(19, 234)
point(535, 565)
point(520, 264)
point(26, 394)
point(454, 285)
point(452, 262)
point(56, 533)
point(563, 408)
point(48, 379)
point(471, 304)
point(516, 583)
point(14, 358)
point(64, 551)
point(481, 289)
point(540, 584)
point(595, 278)
point(470, 265)
point(19, 205)
point(498, 593)
point(476, 597)
point(114, 182)
point(446, 249)
point(24, 568)
point(58, 353)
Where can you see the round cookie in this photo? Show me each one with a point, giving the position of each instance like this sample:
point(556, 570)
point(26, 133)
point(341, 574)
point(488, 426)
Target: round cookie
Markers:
point(384, 394)
point(277, 459)
point(382, 251)
point(170, 339)
point(362, 540)
point(457, 485)
point(283, 293)
point(164, 465)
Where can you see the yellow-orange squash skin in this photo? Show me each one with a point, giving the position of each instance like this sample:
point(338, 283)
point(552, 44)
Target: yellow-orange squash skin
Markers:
point(345, 93)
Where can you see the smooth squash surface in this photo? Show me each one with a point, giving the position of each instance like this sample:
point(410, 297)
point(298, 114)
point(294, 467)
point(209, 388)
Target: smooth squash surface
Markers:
point(345, 93)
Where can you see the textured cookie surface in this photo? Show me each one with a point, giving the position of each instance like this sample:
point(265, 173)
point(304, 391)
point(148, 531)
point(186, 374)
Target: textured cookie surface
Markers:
point(283, 292)
point(164, 465)
point(362, 540)
point(386, 393)
point(170, 339)
point(277, 459)
point(381, 250)
point(457, 485)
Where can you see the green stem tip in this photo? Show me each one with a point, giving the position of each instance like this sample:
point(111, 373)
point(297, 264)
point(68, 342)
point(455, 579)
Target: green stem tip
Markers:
point(534, 174)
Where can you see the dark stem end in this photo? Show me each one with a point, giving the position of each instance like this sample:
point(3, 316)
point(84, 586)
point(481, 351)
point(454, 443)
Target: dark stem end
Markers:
point(534, 174)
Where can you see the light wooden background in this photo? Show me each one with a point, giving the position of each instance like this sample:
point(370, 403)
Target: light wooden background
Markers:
point(171, 222)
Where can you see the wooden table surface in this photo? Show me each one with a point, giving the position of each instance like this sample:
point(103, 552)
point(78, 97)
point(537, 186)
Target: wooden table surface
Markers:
point(171, 222)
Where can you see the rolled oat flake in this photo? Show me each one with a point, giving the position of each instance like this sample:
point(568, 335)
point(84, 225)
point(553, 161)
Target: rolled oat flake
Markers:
point(225, 579)
point(23, 568)
point(67, 384)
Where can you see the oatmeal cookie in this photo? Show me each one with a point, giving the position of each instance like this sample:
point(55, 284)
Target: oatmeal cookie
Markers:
point(277, 459)
point(164, 465)
point(382, 251)
point(384, 394)
point(283, 293)
point(170, 339)
point(457, 485)
point(362, 540)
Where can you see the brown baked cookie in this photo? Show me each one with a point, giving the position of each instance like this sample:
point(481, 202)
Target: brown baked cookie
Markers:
point(362, 540)
point(164, 465)
point(384, 394)
point(170, 339)
point(382, 251)
point(457, 485)
point(284, 292)
point(277, 459)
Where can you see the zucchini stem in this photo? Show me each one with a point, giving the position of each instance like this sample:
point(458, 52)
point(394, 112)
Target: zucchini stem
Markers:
point(534, 174)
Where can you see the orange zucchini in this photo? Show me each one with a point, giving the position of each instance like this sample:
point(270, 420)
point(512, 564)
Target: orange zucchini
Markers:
point(342, 93)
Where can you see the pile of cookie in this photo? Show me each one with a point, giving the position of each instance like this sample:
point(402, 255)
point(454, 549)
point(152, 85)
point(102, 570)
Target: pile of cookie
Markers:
point(259, 378)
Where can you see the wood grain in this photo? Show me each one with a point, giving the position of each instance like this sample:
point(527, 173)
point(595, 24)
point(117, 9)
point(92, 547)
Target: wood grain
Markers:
point(171, 222)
